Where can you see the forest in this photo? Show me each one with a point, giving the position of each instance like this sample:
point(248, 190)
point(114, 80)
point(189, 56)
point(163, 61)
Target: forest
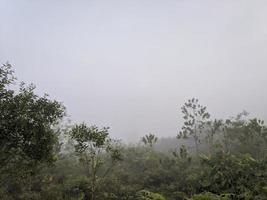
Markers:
point(43, 157)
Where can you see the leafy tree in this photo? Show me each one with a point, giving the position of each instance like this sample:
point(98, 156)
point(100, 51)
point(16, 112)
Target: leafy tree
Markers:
point(27, 128)
point(195, 116)
point(244, 135)
point(238, 175)
point(149, 139)
point(213, 128)
point(91, 144)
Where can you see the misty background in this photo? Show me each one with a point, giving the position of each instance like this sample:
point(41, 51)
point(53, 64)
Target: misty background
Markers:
point(131, 65)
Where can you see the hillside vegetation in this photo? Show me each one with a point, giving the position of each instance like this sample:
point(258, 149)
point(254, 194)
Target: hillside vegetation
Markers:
point(42, 158)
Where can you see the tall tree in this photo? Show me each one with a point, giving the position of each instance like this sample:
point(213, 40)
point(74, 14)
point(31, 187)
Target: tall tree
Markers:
point(195, 116)
point(91, 143)
point(27, 126)
point(213, 128)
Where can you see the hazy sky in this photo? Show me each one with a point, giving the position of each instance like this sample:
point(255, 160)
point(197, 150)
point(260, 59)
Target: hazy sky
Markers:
point(131, 64)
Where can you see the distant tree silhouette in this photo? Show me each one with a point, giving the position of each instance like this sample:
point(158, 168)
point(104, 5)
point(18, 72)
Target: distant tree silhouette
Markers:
point(149, 139)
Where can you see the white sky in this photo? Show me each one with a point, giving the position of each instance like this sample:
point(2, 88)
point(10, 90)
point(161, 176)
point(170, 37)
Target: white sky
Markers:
point(131, 64)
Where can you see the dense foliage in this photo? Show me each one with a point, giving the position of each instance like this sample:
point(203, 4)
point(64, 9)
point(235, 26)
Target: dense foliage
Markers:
point(209, 160)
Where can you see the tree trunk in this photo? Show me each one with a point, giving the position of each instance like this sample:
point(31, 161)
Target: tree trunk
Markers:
point(93, 186)
point(196, 141)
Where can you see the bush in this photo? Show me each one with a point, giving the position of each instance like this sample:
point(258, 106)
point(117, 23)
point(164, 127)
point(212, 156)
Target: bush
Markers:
point(208, 196)
point(146, 195)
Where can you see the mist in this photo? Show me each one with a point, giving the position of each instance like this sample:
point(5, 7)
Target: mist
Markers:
point(130, 65)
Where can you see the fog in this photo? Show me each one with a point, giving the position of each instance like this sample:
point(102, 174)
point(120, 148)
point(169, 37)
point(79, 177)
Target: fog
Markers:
point(131, 65)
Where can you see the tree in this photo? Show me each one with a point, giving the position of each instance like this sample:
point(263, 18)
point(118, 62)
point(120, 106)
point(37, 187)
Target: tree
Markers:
point(243, 135)
point(239, 175)
point(91, 144)
point(195, 116)
point(214, 127)
point(149, 139)
point(27, 127)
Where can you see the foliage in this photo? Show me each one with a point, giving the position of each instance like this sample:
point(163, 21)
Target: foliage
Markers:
point(195, 116)
point(230, 163)
point(27, 130)
point(146, 195)
point(91, 143)
point(227, 173)
point(208, 196)
point(150, 139)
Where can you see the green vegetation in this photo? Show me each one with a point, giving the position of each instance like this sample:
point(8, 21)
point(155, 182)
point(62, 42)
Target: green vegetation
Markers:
point(41, 159)
point(146, 195)
point(150, 139)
